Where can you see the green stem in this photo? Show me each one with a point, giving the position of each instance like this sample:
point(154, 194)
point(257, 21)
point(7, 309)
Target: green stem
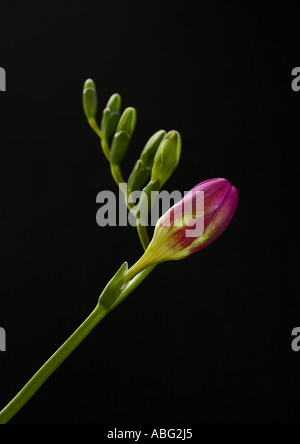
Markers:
point(66, 349)
point(105, 148)
point(118, 178)
point(52, 364)
point(143, 235)
point(104, 144)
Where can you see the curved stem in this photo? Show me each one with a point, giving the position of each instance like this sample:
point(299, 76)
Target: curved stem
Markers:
point(105, 148)
point(66, 349)
point(52, 364)
point(104, 144)
point(118, 178)
point(143, 235)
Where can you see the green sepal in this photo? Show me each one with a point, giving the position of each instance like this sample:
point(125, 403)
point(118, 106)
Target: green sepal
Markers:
point(114, 288)
point(119, 146)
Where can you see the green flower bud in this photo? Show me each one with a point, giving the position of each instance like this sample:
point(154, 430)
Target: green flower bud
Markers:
point(111, 116)
point(142, 169)
point(89, 99)
point(119, 146)
point(139, 176)
point(122, 137)
point(167, 157)
point(89, 83)
point(127, 121)
point(109, 122)
point(151, 148)
point(145, 204)
point(114, 103)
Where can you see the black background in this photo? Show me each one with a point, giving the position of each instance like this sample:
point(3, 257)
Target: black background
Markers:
point(204, 340)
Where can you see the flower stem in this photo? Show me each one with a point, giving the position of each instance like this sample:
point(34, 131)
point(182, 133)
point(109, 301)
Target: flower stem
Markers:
point(104, 144)
point(105, 148)
point(52, 364)
point(143, 235)
point(66, 349)
point(118, 178)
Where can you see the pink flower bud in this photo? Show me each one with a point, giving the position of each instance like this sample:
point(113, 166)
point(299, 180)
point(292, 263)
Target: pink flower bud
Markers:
point(191, 225)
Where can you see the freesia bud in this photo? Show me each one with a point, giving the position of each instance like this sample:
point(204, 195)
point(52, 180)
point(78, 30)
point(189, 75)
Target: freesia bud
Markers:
point(151, 147)
point(177, 235)
point(167, 157)
point(119, 147)
point(143, 167)
point(89, 99)
point(140, 174)
point(122, 137)
point(127, 121)
point(146, 202)
point(111, 116)
point(114, 103)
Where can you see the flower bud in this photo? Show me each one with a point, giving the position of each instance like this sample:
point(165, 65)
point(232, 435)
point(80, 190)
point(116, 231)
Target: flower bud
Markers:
point(109, 122)
point(143, 167)
point(114, 103)
point(119, 147)
point(122, 137)
point(127, 121)
point(151, 147)
point(167, 157)
point(146, 202)
point(89, 99)
point(176, 237)
point(111, 116)
point(139, 176)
